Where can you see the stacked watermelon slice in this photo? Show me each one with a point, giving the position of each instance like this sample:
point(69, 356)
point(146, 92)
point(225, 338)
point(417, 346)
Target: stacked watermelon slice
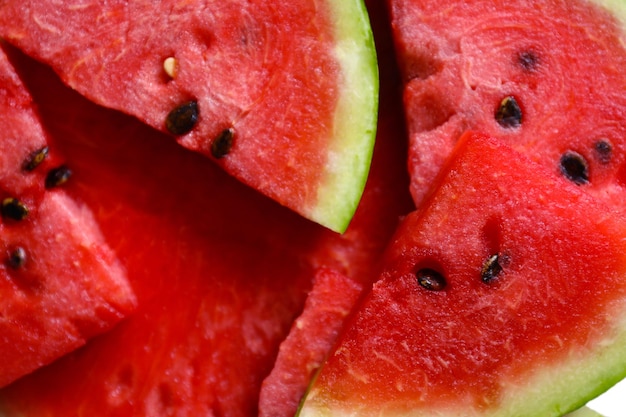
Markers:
point(284, 260)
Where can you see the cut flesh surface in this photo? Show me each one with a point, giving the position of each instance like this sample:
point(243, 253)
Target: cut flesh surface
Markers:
point(60, 283)
point(218, 285)
point(503, 295)
point(283, 95)
point(310, 339)
point(547, 77)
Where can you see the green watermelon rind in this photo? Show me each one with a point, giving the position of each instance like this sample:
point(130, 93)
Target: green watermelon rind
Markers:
point(584, 412)
point(567, 387)
point(561, 389)
point(355, 118)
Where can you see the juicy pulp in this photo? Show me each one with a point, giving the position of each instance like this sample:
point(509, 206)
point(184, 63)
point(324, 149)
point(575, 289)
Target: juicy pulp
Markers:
point(295, 81)
point(542, 338)
point(461, 59)
point(67, 285)
point(218, 282)
point(311, 337)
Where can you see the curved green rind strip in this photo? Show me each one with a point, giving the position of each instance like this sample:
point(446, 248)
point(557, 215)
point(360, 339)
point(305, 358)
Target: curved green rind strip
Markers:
point(355, 119)
point(584, 412)
point(552, 392)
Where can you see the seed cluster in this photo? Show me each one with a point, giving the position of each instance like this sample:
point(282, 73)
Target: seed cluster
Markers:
point(184, 118)
point(13, 209)
point(509, 115)
point(432, 280)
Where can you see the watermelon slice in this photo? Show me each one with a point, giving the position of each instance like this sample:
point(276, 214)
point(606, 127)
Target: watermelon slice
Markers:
point(310, 339)
point(547, 77)
point(60, 284)
point(503, 295)
point(283, 95)
point(333, 295)
point(218, 285)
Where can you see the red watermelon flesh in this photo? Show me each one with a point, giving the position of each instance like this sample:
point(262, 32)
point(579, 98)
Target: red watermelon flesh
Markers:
point(307, 341)
point(562, 62)
point(219, 280)
point(310, 339)
point(60, 283)
point(285, 92)
point(503, 295)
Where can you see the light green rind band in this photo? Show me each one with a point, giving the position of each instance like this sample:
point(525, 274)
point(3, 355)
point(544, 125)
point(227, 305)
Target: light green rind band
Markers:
point(584, 412)
point(552, 391)
point(355, 118)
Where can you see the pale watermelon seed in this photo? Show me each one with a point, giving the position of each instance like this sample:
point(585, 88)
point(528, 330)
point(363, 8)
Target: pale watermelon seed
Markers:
point(491, 269)
point(13, 209)
point(58, 176)
point(223, 143)
point(509, 113)
point(170, 66)
point(430, 279)
point(17, 258)
point(183, 118)
point(574, 166)
point(35, 159)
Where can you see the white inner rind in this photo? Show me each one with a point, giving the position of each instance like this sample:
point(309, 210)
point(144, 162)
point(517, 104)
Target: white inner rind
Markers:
point(355, 118)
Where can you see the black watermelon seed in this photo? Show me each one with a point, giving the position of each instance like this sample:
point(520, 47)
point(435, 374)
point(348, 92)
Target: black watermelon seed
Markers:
point(17, 258)
point(13, 209)
point(604, 150)
point(509, 113)
point(58, 176)
point(183, 118)
point(223, 143)
point(430, 279)
point(491, 269)
point(574, 167)
point(528, 60)
point(35, 159)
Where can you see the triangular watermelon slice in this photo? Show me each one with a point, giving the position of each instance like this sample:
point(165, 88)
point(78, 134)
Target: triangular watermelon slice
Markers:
point(503, 295)
point(60, 283)
point(311, 337)
point(283, 95)
point(218, 285)
point(546, 76)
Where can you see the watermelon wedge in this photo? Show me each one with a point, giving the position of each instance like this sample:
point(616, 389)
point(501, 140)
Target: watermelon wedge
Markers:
point(60, 283)
point(283, 95)
point(311, 337)
point(547, 77)
point(218, 285)
point(503, 295)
